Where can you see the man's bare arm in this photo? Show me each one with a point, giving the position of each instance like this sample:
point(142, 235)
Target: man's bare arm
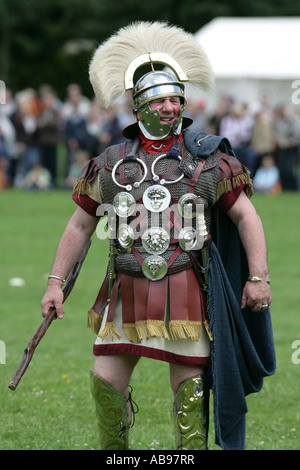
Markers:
point(250, 228)
point(77, 233)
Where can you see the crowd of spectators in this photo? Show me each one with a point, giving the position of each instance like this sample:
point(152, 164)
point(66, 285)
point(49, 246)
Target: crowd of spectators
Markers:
point(265, 139)
point(37, 129)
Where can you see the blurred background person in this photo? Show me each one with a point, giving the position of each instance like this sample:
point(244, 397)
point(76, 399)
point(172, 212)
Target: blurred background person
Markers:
point(296, 134)
point(111, 131)
point(285, 147)
point(8, 149)
point(25, 123)
point(38, 178)
point(221, 110)
point(80, 158)
point(48, 132)
point(74, 114)
point(94, 124)
point(262, 137)
point(3, 166)
point(237, 127)
point(267, 178)
point(75, 102)
point(196, 111)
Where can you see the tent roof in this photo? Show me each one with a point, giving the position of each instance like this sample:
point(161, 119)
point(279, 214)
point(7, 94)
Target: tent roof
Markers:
point(263, 48)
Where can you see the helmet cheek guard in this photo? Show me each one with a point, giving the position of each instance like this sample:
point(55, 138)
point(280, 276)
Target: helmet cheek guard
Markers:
point(152, 127)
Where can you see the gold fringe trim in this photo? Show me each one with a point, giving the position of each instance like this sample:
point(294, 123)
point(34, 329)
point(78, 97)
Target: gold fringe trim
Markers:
point(131, 332)
point(144, 329)
point(249, 188)
point(151, 328)
point(182, 329)
point(223, 186)
point(206, 325)
point(109, 329)
point(94, 320)
point(82, 187)
point(226, 185)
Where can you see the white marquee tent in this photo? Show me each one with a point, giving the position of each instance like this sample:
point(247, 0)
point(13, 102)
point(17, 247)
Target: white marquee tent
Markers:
point(251, 56)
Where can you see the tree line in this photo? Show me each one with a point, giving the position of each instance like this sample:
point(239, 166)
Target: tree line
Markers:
point(52, 41)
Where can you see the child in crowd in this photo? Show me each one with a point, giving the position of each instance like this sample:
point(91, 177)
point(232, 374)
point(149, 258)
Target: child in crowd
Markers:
point(267, 179)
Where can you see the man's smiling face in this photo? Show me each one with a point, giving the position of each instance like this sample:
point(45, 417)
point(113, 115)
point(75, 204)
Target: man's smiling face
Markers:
point(168, 107)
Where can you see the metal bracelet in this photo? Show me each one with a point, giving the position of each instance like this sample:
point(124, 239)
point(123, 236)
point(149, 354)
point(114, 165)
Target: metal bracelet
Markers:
point(56, 277)
point(257, 279)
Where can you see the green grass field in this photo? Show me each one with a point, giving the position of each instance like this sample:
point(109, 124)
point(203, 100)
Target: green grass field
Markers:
point(52, 407)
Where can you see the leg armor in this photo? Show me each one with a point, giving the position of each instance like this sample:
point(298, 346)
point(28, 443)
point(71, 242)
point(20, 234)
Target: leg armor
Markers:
point(113, 411)
point(191, 414)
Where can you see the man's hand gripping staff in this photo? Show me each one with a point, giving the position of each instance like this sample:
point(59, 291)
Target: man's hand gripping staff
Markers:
point(30, 349)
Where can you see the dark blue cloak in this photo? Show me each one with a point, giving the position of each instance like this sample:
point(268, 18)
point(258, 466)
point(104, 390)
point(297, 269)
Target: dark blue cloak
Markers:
point(243, 351)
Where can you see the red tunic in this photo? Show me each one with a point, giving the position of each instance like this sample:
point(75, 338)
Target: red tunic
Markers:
point(163, 319)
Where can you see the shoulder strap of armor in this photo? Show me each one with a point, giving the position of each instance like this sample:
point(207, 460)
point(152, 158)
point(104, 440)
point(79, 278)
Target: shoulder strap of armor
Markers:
point(88, 174)
point(231, 175)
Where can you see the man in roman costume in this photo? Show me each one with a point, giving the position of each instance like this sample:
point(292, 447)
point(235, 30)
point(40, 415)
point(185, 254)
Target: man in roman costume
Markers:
point(199, 299)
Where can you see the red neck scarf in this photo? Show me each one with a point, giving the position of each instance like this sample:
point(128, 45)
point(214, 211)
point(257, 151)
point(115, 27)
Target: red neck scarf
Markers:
point(154, 146)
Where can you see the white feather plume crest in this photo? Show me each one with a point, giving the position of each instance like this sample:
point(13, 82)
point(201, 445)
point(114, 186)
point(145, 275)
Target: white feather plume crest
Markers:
point(112, 58)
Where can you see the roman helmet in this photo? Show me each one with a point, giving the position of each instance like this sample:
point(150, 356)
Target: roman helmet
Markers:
point(152, 86)
point(152, 60)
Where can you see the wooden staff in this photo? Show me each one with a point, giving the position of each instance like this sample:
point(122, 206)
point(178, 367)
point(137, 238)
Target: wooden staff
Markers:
point(29, 351)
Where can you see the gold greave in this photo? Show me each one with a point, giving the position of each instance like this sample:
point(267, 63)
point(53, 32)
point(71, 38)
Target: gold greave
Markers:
point(113, 414)
point(191, 414)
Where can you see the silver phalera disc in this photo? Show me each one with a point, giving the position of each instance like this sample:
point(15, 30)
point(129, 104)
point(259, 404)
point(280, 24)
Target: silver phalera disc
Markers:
point(156, 198)
point(156, 240)
point(124, 204)
point(188, 239)
point(125, 235)
point(185, 206)
point(154, 267)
